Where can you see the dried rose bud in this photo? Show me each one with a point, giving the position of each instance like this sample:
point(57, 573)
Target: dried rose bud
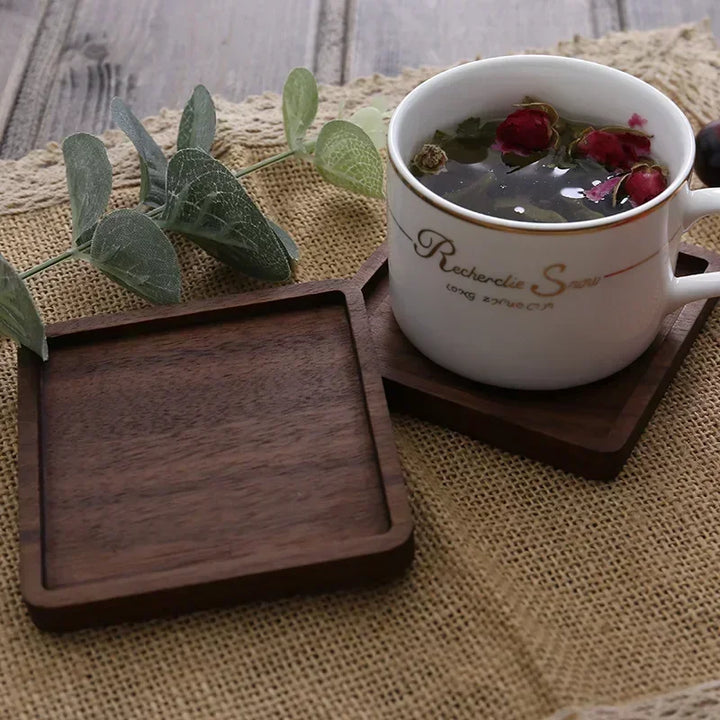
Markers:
point(431, 159)
point(615, 148)
point(527, 130)
point(644, 183)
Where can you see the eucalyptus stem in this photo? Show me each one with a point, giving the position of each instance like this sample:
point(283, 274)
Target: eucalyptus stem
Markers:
point(264, 163)
point(55, 260)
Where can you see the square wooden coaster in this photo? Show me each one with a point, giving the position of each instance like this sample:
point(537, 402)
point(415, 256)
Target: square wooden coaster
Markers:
point(178, 458)
point(590, 430)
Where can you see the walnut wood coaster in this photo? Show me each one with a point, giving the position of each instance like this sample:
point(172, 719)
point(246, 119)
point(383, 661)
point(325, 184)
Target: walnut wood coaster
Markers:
point(589, 430)
point(179, 458)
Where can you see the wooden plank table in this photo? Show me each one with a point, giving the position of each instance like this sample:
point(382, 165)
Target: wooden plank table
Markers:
point(61, 61)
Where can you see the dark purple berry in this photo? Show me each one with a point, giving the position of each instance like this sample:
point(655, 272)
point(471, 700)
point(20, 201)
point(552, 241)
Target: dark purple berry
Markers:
point(707, 154)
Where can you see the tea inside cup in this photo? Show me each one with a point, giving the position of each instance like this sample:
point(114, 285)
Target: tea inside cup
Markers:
point(578, 89)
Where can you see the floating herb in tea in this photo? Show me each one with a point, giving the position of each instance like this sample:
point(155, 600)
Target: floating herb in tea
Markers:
point(536, 166)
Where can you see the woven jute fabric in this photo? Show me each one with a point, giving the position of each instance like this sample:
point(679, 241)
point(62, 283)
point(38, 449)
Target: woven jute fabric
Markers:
point(534, 593)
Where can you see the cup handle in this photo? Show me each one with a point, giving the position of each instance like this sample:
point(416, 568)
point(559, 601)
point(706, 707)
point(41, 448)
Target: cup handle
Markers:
point(697, 204)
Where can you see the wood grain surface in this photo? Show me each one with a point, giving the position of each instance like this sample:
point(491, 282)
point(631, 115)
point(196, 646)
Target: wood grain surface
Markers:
point(19, 24)
point(386, 36)
point(644, 14)
point(62, 60)
point(243, 441)
point(589, 430)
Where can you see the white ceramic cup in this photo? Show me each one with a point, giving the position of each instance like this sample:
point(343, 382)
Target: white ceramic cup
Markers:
point(538, 305)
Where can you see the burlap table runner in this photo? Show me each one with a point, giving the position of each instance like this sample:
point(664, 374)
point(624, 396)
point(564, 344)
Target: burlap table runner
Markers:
point(532, 590)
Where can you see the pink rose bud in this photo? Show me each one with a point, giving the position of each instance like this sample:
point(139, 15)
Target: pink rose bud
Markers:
point(644, 184)
point(616, 150)
point(524, 132)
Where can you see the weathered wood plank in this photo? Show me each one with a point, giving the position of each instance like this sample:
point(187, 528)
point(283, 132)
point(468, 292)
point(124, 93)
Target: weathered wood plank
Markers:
point(330, 43)
point(153, 52)
point(19, 23)
point(385, 37)
point(647, 14)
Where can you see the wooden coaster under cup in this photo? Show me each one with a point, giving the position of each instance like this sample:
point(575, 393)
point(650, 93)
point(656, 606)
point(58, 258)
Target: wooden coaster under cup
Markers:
point(589, 430)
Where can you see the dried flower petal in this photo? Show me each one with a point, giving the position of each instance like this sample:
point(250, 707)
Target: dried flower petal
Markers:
point(431, 159)
point(526, 131)
point(637, 121)
point(601, 191)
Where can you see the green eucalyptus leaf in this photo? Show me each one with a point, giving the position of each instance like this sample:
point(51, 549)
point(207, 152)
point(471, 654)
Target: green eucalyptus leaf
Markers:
point(299, 106)
point(207, 203)
point(186, 166)
point(132, 250)
point(153, 162)
point(345, 156)
point(291, 249)
point(19, 318)
point(89, 180)
point(84, 239)
point(371, 120)
point(197, 125)
point(381, 103)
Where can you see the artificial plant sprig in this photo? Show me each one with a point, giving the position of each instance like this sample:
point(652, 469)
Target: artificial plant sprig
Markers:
point(195, 195)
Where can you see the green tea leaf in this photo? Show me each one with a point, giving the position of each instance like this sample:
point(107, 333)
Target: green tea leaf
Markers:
point(441, 137)
point(533, 213)
point(207, 203)
point(517, 162)
point(197, 125)
point(371, 120)
point(299, 106)
point(89, 180)
point(465, 151)
point(345, 156)
point(153, 162)
point(476, 130)
point(565, 163)
point(19, 318)
point(132, 250)
point(471, 194)
point(291, 249)
point(577, 210)
point(469, 128)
